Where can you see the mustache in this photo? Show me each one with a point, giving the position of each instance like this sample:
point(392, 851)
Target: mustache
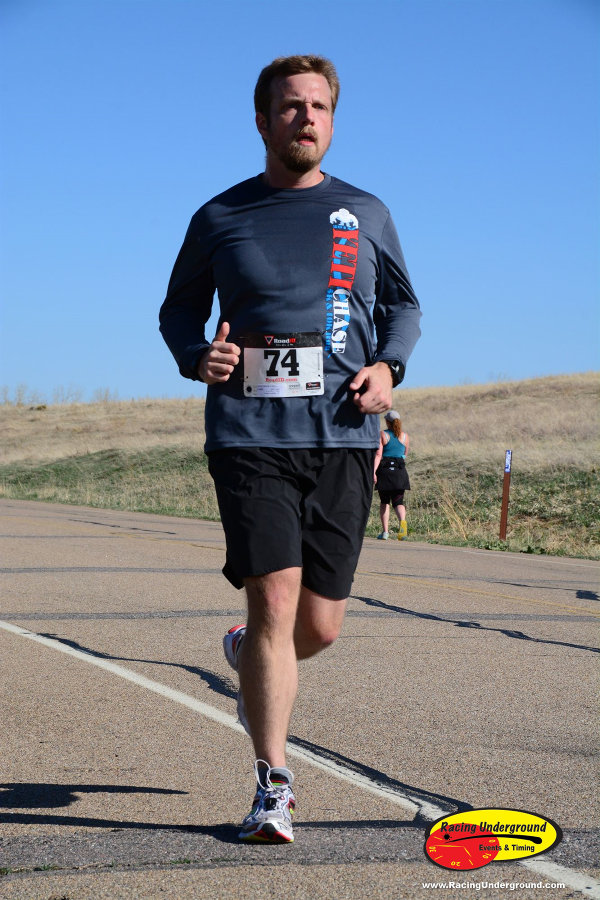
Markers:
point(305, 132)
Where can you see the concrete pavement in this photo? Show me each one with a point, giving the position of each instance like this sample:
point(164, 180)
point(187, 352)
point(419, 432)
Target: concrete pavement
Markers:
point(462, 678)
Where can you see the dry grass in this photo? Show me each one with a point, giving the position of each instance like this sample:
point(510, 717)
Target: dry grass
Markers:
point(147, 454)
point(43, 433)
point(543, 420)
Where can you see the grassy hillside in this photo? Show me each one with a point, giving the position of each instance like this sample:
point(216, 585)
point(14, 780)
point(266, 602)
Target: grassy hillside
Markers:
point(147, 455)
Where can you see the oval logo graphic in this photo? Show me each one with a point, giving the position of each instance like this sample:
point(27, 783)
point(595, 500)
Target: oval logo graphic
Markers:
point(472, 839)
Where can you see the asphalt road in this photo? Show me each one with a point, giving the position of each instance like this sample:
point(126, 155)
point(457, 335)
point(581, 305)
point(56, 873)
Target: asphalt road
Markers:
point(463, 678)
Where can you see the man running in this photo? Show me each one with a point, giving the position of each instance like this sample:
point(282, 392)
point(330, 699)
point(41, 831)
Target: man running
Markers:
point(317, 320)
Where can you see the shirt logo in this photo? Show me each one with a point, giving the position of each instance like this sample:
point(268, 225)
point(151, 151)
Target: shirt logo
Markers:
point(341, 278)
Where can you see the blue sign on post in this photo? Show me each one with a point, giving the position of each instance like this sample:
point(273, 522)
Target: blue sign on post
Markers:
point(508, 461)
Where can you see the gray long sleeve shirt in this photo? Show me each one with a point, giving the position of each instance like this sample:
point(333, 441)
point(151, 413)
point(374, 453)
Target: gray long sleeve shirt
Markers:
point(323, 261)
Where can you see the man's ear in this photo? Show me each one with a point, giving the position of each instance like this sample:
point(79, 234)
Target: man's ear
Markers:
point(261, 124)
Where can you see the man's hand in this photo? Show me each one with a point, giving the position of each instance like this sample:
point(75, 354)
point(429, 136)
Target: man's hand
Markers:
point(373, 388)
point(218, 362)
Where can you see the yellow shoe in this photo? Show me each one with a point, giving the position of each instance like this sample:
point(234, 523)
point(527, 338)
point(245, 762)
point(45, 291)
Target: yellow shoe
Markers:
point(403, 530)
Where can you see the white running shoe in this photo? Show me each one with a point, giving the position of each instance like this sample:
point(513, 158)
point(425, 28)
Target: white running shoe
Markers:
point(383, 536)
point(231, 646)
point(270, 819)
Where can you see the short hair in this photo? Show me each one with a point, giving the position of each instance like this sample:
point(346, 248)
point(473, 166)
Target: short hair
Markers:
point(293, 65)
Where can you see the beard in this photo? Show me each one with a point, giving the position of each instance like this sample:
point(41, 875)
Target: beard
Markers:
point(299, 159)
point(296, 157)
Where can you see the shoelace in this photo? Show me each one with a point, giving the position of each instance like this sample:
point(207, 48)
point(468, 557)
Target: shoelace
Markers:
point(279, 792)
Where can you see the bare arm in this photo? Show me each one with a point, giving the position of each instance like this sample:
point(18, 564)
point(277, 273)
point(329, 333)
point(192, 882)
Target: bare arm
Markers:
point(378, 456)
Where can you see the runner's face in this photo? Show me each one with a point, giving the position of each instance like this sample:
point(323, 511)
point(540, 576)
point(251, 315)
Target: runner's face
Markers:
point(301, 121)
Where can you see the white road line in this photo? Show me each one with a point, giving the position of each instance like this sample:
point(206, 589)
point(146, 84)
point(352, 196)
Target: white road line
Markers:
point(576, 880)
point(586, 884)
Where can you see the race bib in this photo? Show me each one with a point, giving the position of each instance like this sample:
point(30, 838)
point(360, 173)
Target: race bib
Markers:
point(283, 365)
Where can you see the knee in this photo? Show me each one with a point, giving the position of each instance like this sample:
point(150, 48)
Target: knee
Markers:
point(272, 601)
point(311, 638)
point(325, 637)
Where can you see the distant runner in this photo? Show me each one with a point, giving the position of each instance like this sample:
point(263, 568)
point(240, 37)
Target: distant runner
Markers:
point(391, 475)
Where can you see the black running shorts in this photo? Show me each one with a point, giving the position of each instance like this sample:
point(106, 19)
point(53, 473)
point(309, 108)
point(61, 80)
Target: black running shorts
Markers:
point(392, 481)
point(302, 507)
point(396, 498)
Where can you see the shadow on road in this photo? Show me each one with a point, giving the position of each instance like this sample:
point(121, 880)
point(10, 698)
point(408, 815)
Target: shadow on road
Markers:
point(50, 796)
point(226, 832)
point(460, 623)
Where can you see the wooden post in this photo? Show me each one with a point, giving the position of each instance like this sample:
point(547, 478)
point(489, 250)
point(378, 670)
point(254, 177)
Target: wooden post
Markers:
point(505, 493)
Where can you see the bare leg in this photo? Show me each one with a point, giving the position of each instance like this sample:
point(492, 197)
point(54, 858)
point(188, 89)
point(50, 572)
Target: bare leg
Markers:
point(318, 623)
point(286, 622)
point(384, 515)
point(267, 660)
point(400, 512)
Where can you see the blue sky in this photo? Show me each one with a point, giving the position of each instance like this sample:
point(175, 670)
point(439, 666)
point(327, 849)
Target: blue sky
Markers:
point(475, 121)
